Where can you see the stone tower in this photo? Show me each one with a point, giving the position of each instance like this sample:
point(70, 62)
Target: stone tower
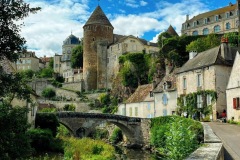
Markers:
point(98, 34)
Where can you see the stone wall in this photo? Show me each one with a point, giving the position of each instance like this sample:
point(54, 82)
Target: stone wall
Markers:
point(212, 149)
point(75, 86)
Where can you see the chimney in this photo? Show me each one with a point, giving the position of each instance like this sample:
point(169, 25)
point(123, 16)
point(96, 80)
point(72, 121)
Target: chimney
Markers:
point(226, 50)
point(187, 17)
point(192, 54)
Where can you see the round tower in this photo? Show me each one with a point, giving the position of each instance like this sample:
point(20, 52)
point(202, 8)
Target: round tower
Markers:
point(97, 31)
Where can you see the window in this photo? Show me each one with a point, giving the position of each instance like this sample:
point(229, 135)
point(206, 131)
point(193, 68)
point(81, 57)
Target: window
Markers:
point(194, 24)
point(149, 106)
point(217, 18)
point(118, 46)
point(205, 21)
point(237, 21)
point(209, 99)
point(236, 104)
point(228, 25)
point(199, 101)
point(130, 111)
point(216, 28)
point(227, 15)
point(195, 33)
point(56, 65)
point(184, 83)
point(205, 31)
point(199, 83)
point(164, 112)
point(164, 99)
point(136, 111)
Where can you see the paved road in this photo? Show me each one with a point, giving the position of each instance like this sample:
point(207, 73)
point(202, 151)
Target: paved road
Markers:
point(230, 136)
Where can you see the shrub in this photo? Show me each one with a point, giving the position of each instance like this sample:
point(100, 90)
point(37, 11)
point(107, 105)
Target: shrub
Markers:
point(48, 93)
point(47, 121)
point(116, 136)
point(69, 107)
point(99, 134)
point(168, 133)
point(43, 140)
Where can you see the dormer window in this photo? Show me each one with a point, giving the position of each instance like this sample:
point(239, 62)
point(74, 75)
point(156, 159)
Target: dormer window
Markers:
point(194, 23)
point(227, 15)
point(167, 85)
point(217, 17)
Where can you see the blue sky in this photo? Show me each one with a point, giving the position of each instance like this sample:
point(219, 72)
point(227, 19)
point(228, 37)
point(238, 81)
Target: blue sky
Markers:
point(46, 30)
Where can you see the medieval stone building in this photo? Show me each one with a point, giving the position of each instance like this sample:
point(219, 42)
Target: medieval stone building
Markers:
point(102, 48)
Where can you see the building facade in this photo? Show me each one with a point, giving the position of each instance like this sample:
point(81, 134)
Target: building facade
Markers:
point(218, 21)
point(208, 70)
point(27, 61)
point(233, 91)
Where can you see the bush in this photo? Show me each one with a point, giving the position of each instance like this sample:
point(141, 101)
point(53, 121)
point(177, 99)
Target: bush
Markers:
point(47, 121)
point(69, 107)
point(116, 136)
point(48, 93)
point(99, 134)
point(174, 136)
point(43, 140)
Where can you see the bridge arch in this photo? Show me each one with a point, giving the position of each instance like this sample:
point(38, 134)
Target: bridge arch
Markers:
point(82, 124)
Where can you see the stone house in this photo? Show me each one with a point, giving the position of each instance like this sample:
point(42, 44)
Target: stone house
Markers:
point(219, 21)
point(233, 91)
point(139, 104)
point(165, 94)
point(27, 61)
point(208, 70)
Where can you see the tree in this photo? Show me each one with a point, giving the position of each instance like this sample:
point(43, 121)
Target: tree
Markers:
point(11, 43)
point(14, 142)
point(51, 62)
point(77, 57)
point(46, 73)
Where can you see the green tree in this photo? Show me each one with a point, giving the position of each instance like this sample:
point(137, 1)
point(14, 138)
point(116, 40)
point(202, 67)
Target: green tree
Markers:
point(48, 93)
point(46, 73)
point(233, 38)
point(28, 74)
point(11, 43)
point(14, 141)
point(77, 57)
point(51, 62)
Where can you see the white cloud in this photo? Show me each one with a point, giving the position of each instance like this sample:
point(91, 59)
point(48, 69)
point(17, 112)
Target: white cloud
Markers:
point(143, 3)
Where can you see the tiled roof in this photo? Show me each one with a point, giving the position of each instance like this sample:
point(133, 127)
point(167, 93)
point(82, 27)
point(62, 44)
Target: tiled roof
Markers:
point(45, 59)
point(98, 17)
point(206, 58)
point(215, 12)
point(140, 94)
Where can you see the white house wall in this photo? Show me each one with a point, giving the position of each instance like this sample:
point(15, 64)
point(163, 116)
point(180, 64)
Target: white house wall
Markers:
point(233, 90)
point(140, 109)
point(170, 107)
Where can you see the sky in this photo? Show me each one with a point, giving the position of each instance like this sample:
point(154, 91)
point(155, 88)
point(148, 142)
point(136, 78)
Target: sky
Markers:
point(46, 30)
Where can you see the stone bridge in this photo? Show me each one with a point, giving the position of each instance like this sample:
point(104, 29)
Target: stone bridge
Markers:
point(136, 130)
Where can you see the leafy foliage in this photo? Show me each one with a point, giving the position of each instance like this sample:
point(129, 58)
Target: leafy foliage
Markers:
point(48, 93)
point(69, 107)
point(96, 149)
point(135, 69)
point(43, 140)
point(108, 103)
point(47, 121)
point(14, 86)
point(204, 43)
point(14, 141)
point(100, 134)
point(170, 133)
point(51, 63)
point(233, 38)
point(12, 43)
point(191, 102)
point(77, 57)
point(116, 136)
point(46, 73)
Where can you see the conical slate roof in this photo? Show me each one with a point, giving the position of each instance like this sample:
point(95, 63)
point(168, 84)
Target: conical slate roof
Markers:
point(171, 31)
point(98, 17)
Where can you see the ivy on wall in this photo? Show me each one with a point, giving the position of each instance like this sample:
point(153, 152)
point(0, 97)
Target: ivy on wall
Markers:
point(190, 105)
